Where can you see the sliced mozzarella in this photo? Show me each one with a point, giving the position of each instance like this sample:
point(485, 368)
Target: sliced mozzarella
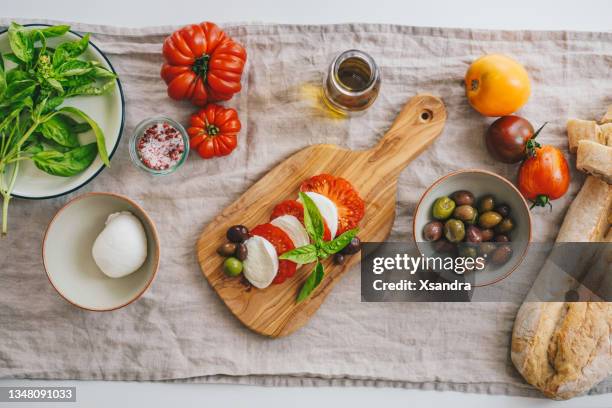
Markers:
point(261, 264)
point(328, 211)
point(294, 228)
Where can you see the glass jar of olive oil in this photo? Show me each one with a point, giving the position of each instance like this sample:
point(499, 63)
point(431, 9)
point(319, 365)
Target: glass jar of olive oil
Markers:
point(352, 82)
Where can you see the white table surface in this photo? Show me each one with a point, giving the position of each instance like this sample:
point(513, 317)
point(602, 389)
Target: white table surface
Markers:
point(593, 15)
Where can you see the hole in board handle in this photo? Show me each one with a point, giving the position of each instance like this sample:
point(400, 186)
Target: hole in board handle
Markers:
point(426, 115)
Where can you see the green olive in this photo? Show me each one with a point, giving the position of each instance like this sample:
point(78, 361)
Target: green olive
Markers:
point(489, 219)
point(454, 230)
point(506, 225)
point(443, 208)
point(486, 248)
point(465, 213)
point(486, 203)
point(467, 251)
point(232, 266)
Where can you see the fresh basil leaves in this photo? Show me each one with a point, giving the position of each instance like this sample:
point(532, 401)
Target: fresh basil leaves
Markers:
point(319, 249)
point(33, 125)
point(66, 164)
point(21, 43)
point(313, 280)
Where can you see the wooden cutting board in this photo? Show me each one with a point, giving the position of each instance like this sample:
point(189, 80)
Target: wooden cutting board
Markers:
point(374, 173)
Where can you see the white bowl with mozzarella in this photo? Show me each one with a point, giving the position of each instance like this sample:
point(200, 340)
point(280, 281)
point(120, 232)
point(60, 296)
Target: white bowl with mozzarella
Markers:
point(101, 251)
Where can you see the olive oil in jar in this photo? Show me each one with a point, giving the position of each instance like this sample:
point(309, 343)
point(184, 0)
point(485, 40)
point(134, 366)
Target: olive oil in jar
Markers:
point(352, 82)
point(354, 74)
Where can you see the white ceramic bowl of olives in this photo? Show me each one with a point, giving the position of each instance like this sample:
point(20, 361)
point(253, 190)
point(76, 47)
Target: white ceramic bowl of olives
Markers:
point(474, 213)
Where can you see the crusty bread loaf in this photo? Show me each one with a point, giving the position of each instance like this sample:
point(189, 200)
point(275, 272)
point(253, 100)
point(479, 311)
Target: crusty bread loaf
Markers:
point(578, 130)
point(587, 218)
point(596, 159)
point(565, 348)
point(606, 133)
point(607, 118)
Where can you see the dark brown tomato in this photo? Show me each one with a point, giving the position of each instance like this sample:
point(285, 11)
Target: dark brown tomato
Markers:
point(507, 138)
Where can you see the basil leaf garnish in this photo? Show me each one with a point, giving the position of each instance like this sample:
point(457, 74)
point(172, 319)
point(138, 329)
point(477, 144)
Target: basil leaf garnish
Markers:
point(302, 255)
point(313, 280)
point(338, 244)
point(312, 218)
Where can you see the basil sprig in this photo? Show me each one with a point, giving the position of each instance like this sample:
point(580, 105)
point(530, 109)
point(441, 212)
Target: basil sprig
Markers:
point(33, 125)
point(319, 249)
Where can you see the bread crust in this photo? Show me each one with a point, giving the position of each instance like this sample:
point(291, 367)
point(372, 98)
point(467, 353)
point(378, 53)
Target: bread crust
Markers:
point(565, 348)
point(595, 159)
point(578, 129)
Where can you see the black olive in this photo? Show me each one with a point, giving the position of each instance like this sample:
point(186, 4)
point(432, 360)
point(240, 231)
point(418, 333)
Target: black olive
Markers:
point(501, 238)
point(463, 197)
point(503, 210)
point(473, 234)
point(432, 231)
point(501, 255)
point(353, 247)
point(339, 259)
point(241, 251)
point(237, 233)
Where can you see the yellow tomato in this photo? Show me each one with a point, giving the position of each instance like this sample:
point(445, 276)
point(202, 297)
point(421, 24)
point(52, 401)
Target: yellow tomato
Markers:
point(497, 85)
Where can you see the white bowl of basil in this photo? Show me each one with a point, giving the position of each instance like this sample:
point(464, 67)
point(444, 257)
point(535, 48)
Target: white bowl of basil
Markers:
point(70, 106)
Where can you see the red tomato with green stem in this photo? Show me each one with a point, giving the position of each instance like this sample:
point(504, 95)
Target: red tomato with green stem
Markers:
point(544, 175)
point(202, 64)
point(213, 131)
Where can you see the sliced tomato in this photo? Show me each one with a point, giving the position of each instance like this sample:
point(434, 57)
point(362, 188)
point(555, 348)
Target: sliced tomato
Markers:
point(295, 208)
point(282, 243)
point(351, 207)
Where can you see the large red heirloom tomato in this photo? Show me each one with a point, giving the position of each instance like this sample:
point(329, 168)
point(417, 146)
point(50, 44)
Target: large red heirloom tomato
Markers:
point(213, 131)
point(202, 64)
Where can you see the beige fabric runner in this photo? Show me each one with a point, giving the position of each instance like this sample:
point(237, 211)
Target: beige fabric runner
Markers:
point(180, 330)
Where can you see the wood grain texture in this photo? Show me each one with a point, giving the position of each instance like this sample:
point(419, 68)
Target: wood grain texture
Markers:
point(374, 172)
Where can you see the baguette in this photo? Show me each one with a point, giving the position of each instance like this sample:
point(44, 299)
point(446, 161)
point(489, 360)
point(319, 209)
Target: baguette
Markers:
point(596, 159)
point(587, 219)
point(565, 348)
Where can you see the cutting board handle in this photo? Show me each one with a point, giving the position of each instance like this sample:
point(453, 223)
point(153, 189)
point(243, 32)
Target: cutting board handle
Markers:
point(417, 125)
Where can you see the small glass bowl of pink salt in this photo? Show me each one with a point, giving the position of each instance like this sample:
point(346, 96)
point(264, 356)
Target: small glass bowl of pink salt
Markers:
point(159, 145)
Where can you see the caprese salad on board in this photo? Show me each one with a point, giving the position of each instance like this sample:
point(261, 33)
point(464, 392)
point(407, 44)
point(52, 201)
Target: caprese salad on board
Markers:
point(321, 222)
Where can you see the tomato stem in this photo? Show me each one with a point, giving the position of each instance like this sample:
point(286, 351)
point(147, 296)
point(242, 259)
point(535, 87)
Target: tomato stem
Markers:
point(541, 200)
point(200, 66)
point(532, 145)
point(212, 130)
point(474, 84)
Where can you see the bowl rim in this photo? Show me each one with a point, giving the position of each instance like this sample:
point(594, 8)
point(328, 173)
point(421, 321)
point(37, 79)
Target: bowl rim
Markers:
point(155, 238)
point(500, 178)
point(119, 134)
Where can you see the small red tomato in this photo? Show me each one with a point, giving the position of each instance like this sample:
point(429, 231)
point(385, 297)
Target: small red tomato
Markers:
point(508, 138)
point(544, 176)
point(213, 131)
